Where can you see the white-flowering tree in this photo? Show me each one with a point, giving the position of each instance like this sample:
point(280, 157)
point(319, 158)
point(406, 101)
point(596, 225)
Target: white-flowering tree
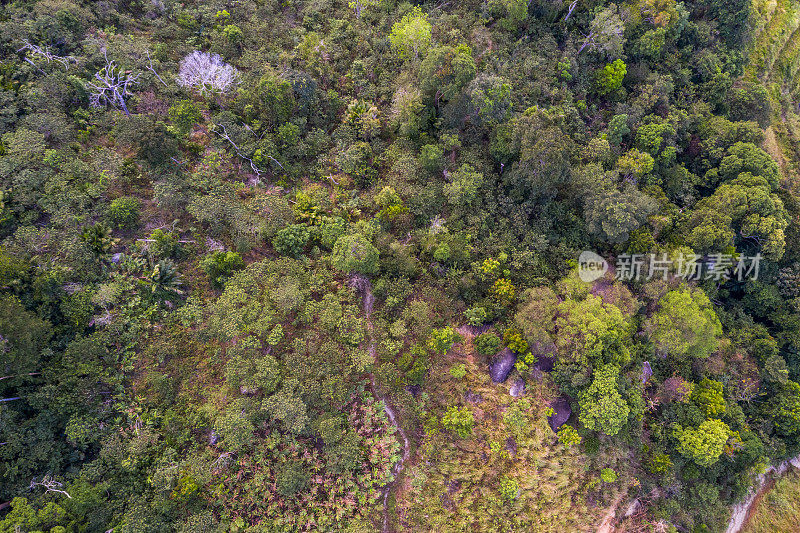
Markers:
point(207, 73)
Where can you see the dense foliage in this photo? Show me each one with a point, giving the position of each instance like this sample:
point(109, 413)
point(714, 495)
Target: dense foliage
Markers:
point(257, 258)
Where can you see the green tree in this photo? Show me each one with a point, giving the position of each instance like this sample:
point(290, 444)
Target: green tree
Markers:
point(287, 407)
point(219, 266)
point(618, 129)
point(235, 427)
point(784, 407)
point(703, 444)
point(445, 71)
point(651, 43)
point(24, 517)
point(635, 164)
point(24, 340)
point(610, 77)
point(744, 206)
point(459, 421)
point(292, 240)
point(602, 407)
point(607, 33)
point(707, 395)
point(441, 340)
point(490, 98)
point(745, 157)
point(516, 11)
point(124, 212)
point(592, 331)
point(354, 253)
point(411, 36)
point(463, 187)
point(612, 214)
point(184, 114)
point(685, 324)
point(650, 137)
point(272, 98)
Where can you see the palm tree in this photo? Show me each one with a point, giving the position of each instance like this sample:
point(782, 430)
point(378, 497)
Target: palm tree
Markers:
point(164, 279)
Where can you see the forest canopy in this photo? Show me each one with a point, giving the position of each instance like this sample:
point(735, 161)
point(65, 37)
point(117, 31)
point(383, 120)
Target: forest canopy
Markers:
point(317, 265)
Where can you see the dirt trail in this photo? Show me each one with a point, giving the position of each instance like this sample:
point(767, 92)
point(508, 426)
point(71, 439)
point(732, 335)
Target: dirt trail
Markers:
point(363, 286)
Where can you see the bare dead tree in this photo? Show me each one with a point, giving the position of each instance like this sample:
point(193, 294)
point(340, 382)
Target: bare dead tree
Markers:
point(589, 40)
point(606, 33)
point(153, 70)
point(18, 375)
point(50, 485)
point(46, 54)
point(224, 135)
point(571, 9)
point(207, 73)
point(111, 86)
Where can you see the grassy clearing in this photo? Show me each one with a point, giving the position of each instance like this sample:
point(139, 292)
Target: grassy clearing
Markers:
point(455, 483)
point(779, 509)
point(774, 61)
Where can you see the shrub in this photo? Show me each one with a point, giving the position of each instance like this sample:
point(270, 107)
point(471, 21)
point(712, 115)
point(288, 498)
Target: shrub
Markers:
point(98, 238)
point(488, 344)
point(184, 115)
point(124, 212)
point(354, 253)
point(164, 245)
point(509, 488)
point(291, 240)
point(220, 265)
point(292, 479)
point(459, 421)
point(608, 475)
point(516, 416)
point(416, 374)
point(441, 340)
point(659, 463)
point(591, 445)
point(568, 436)
point(458, 371)
point(476, 316)
point(513, 339)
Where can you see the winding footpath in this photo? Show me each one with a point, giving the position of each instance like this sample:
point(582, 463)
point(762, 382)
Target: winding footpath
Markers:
point(363, 286)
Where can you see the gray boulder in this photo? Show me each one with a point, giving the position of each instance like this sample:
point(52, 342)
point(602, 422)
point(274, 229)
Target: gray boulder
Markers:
point(502, 365)
point(544, 363)
point(561, 412)
point(518, 388)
